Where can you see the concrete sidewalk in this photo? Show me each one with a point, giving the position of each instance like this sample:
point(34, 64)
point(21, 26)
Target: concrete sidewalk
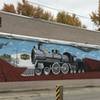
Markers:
point(47, 85)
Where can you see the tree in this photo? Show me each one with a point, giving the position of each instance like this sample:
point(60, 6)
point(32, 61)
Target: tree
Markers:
point(9, 8)
point(38, 12)
point(66, 18)
point(95, 17)
point(46, 16)
point(25, 8)
point(61, 17)
point(6, 57)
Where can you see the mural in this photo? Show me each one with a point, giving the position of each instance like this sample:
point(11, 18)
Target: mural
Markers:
point(18, 52)
point(24, 58)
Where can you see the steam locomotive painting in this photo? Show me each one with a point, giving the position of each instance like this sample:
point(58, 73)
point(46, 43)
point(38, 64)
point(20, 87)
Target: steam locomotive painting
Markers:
point(54, 61)
point(24, 58)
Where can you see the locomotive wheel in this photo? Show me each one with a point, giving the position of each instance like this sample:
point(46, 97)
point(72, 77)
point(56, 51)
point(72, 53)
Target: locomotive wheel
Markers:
point(65, 68)
point(46, 70)
point(72, 68)
point(38, 71)
point(56, 68)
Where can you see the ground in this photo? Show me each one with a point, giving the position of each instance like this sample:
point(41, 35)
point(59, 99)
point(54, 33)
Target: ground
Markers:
point(45, 90)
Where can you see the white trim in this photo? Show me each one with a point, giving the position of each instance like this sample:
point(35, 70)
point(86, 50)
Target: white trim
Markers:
point(46, 40)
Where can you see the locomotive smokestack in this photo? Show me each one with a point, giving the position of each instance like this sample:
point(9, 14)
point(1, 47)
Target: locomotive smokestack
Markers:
point(39, 45)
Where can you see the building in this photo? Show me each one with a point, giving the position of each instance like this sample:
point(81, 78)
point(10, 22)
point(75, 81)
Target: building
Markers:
point(22, 25)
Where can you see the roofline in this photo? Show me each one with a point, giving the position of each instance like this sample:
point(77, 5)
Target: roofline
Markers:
point(51, 22)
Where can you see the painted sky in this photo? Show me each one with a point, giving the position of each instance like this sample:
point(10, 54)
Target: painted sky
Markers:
point(15, 46)
point(79, 7)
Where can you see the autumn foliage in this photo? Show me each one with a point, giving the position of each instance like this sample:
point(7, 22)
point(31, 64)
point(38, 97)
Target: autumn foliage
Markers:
point(25, 8)
point(66, 18)
point(9, 8)
point(95, 17)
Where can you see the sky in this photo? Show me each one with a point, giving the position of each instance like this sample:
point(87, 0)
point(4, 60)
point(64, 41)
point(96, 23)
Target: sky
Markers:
point(80, 7)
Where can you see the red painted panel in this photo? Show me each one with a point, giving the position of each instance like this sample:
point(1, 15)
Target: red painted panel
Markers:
point(9, 72)
point(93, 65)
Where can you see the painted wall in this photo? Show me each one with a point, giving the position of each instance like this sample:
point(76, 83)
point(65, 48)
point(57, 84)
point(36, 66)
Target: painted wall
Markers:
point(11, 49)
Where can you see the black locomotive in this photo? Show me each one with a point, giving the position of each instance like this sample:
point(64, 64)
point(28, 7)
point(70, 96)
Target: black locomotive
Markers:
point(53, 62)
